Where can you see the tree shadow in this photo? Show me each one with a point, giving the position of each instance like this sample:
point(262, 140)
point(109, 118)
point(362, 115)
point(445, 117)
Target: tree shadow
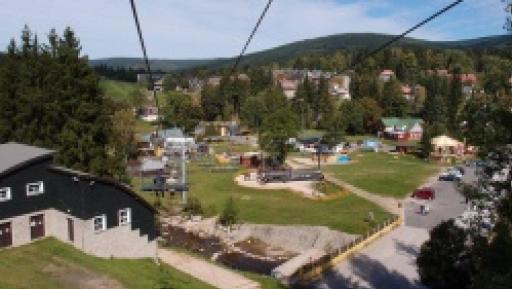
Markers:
point(372, 273)
point(408, 249)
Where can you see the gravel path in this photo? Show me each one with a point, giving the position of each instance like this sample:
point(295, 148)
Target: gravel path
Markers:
point(389, 204)
point(207, 272)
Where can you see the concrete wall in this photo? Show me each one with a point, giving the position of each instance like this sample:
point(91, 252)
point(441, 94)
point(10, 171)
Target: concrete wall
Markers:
point(119, 241)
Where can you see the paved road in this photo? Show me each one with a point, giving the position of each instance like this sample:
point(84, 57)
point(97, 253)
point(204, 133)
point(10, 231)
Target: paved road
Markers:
point(207, 272)
point(390, 262)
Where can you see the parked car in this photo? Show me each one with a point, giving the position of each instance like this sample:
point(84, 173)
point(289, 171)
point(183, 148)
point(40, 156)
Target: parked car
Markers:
point(424, 194)
point(450, 176)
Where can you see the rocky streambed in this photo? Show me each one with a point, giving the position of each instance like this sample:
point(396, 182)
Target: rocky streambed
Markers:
point(248, 247)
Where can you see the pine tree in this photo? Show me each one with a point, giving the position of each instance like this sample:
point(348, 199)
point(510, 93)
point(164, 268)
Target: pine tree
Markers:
point(51, 98)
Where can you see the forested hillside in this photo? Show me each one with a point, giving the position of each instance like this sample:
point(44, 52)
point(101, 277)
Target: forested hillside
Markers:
point(321, 45)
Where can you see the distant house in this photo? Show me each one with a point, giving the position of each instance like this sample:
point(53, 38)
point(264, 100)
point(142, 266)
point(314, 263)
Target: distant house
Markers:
point(407, 92)
point(148, 113)
point(241, 77)
point(174, 137)
point(289, 87)
point(195, 84)
point(402, 128)
point(217, 129)
point(469, 81)
point(339, 86)
point(159, 85)
point(314, 76)
point(386, 75)
point(214, 81)
point(99, 216)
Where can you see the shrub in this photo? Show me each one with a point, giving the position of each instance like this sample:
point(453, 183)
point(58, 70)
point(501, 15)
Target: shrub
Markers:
point(193, 206)
point(229, 216)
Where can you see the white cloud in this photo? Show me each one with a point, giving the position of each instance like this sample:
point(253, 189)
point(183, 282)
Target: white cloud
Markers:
point(204, 28)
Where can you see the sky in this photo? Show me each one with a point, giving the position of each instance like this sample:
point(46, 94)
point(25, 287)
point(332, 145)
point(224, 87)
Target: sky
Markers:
point(194, 29)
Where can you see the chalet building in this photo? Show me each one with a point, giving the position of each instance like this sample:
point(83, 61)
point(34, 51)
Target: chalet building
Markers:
point(98, 216)
point(404, 129)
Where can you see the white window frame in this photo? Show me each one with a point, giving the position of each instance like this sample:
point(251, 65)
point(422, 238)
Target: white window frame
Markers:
point(128, 220)
point(103, 224)
point(8, 194)
point(40, 191)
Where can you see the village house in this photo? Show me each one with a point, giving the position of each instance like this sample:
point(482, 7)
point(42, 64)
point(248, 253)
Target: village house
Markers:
point(314, 76)
point(214, 81)
point(289, 87)
point(148, 113)
point(403, 129)
point(99, 216)
point(339, 87)
point(469, 81)
point(407, 92)
point(386, 75)
point(159, 85)
point(217, 129)
point(195, 84)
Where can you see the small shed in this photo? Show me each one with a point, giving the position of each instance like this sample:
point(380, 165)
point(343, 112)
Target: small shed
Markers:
point(250, 159)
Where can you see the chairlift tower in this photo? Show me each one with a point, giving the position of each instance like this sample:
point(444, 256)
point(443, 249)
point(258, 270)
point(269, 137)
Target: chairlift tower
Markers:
point(184, 191)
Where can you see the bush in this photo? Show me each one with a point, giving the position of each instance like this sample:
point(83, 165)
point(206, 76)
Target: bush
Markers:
point(193, 206)
point(229, 216)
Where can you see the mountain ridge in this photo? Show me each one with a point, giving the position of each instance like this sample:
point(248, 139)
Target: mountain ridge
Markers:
point(324, 44)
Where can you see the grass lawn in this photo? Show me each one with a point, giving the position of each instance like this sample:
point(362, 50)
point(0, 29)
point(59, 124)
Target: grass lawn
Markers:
point(50, 264)
point(346, 213)
point(118, 90)
point(221, 147)
point(384, 174)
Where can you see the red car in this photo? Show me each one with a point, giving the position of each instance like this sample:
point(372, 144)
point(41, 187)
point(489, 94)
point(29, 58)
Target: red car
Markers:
point(425, 194)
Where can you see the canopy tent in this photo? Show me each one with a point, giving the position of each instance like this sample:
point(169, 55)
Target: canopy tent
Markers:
point(445, 141)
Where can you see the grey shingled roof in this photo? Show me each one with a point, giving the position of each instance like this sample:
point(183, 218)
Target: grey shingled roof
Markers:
point(13, 154)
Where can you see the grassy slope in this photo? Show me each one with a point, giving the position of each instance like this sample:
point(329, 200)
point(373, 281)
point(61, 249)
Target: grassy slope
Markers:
point(384, 174)
point(23, 267)
point(346, 213)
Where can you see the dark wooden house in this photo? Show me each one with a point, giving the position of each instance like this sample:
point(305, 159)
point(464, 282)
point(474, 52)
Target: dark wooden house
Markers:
point(96, 215)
